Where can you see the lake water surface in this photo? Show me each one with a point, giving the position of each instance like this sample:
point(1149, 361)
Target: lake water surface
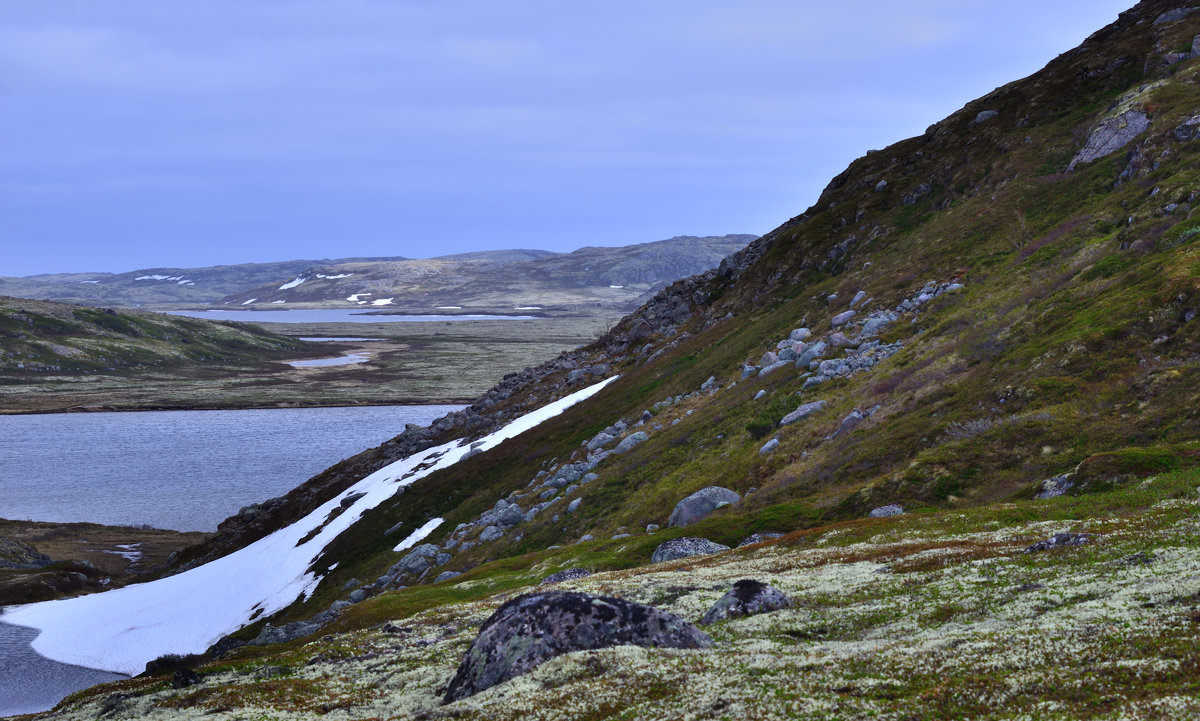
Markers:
point(184, 470)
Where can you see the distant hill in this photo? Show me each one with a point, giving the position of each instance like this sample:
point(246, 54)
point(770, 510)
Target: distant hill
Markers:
point(493, 280)
point(502, 280)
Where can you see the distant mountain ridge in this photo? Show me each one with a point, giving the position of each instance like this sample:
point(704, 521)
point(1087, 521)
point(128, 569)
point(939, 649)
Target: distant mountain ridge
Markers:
point(605, 276)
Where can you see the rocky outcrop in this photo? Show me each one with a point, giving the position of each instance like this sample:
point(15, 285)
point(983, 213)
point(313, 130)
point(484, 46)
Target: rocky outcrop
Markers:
point(531, 629)
point(1060, 540)
point(887, 511)
point(15, 554)
point(747, 598)
point(1112, 135)
point(569, 574)
point(701, 503)
point(677, 548)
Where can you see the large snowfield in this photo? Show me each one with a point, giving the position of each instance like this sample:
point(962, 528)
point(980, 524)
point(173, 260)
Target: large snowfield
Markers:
point(123, 629)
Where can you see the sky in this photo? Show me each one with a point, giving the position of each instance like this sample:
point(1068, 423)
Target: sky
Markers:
point(163, 133)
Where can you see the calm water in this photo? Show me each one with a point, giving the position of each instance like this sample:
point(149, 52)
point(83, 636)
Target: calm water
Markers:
point(185, 470)
point(30, 683)
point(328, 316)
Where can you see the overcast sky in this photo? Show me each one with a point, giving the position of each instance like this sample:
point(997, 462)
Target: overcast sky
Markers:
point(146, 133)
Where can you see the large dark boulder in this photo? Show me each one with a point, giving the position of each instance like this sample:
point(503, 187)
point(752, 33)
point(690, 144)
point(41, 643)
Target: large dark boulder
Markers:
point(701, 503)
point(683, 547)
point(747, 598)
point(534, 628)
point(15, 554)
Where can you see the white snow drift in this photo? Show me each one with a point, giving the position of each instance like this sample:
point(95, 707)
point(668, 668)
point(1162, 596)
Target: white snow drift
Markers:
point(121, 630)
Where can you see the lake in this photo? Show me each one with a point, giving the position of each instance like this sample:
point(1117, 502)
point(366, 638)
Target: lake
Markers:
point(182, 470)
point(329, 316)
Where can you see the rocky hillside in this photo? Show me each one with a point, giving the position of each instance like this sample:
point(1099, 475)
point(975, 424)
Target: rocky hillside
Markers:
point(40, 337)
point(620, 277)
point(965, 384)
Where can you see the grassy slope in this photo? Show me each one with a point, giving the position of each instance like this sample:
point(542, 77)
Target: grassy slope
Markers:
point(1069, 346)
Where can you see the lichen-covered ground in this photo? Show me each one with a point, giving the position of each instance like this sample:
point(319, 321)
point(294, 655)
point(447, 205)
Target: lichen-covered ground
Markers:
point(938, 615)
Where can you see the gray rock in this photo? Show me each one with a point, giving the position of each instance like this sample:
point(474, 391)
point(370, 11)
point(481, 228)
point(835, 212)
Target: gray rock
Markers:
point(786, 355)
point(709, 384)
point(619, 536)
point(701, 503)
point(759, 395)
point(768, 370)
point(652, 528)
point(748, 370)
point(769, 446)
point(1175, 15)
point(574, 505)
point(760, 537)
point(417, 559)
point(490, 533)
point(842, 319)
point(631, 441)
point(1112, 135)
point(601, 440)
point(1056, 486)
point(747, 598)
point(510, 515)
point(393, 529)
point(585, 538)
point(849, 423)
point(886, 511)
point(569, 574)
point(768, 359)
point(466, 546)
point(881, 186)
point(358, 595)
point(811, 353)
point(875, 324)
point(446, 576)
point(442, 559)
point(20, 555)
point(577, 375)
point(800, 334)
point(570, 489)
point(548, 493)
point(684, 547)
point(858, 298)
point(1060, 540)
point(985, 116)
point(589, 478)
point(531, 629)
point(803, 411)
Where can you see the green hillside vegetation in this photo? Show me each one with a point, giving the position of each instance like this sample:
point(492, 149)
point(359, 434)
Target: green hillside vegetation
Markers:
point(40, 336)
point(1071, 347)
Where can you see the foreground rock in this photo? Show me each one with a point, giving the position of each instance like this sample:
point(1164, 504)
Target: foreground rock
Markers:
point(701, 503)
point(569, 574)
point(747, 598)
point(531, 629)
point(683, 547)
point(15, 554)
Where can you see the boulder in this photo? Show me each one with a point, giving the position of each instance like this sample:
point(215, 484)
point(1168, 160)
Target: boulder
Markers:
point(984, 116)
point(858, 298)
point(1112, 135)
point(1060, 540)
point(490, 533)
point(631, 441)
point(600, 440)
point(849, 423)
point(760, 537)
point(800, 334)
point(1056, 486)
point(446, 576)
point(747, 598)
point(417, 559)
point(769, 446)
point(15, 554)
point(803, 411)
point(574, 505)
point(701, 503)
point(886, 511)
point(531, 629)
point(510, 514)
point(684, 547)
point(842, 319)
point(569, 574)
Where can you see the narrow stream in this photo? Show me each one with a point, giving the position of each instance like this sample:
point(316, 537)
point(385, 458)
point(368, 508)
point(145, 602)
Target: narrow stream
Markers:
point(30, 683)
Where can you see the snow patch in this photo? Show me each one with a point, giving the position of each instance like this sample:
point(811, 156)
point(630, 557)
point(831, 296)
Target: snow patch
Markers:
point(248, 302)
point(354, 298)
point(89, 281)
point(342, 360)
point(156, 276)
point(527, 307)
point(335, 277)
point(121, 630)
point(418, 535)
point(279, 301)
point(447, 307)
point(618, 287)
point(382, 301)
point(293, 283)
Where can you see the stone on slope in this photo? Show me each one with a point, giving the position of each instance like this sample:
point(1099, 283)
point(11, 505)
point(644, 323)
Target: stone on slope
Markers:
point(531, 629)
point(569, 574)
point(747, 598)
point(700, 504)
point(1060, 540)
point(1112, 135)
point(684, 547)
point(760, 537)
point(15, 554)
point(631, 441)
point(891, 509)
point(769, 446)
point(803, 411)
point(842, 319)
